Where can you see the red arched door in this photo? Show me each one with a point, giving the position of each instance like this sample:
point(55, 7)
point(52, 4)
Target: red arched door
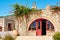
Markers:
point(41, 26)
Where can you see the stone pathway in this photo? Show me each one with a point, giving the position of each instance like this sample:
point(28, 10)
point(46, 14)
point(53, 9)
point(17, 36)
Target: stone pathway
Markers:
point(34, 38)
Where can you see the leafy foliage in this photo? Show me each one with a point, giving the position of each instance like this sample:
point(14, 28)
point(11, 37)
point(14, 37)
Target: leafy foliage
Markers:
point(0, 37)
point(16, 9)
point(8, 37)
point(56, 36)
point(20, 10)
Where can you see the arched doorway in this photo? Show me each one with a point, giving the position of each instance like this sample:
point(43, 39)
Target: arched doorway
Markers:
point(0, 28)
point(41, 26)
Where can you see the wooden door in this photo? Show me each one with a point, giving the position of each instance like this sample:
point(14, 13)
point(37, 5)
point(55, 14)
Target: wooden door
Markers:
point(38, 27)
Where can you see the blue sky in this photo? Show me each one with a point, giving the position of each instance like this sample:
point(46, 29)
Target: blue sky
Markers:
point(6, 5)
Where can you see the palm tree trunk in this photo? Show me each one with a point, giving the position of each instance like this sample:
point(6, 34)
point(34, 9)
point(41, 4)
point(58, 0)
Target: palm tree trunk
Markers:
point(18, 20)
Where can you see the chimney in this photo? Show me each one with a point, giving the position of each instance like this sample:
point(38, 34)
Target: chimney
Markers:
point(48, 7)
point(34, 5)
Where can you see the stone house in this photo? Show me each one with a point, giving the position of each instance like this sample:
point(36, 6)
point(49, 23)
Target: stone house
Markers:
point(45, 23)
point(37, 24)
point(7, 23)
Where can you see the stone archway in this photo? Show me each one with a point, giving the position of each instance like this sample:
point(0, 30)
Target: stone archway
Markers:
point(50, 18)
point(42, 28)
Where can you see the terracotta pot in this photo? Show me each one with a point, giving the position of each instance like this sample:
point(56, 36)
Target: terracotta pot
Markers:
point(15, 32)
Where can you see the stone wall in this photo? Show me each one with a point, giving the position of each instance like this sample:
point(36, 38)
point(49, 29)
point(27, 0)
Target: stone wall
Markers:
point(54, 18)
point(9, 21)
point(2, 23)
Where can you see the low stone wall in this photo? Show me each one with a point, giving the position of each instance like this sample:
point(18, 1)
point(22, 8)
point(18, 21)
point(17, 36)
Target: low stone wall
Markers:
point(34, 38)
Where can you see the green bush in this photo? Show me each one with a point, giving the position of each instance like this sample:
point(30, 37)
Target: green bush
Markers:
point(0, 37)
point(9, 37)
point(56, 36)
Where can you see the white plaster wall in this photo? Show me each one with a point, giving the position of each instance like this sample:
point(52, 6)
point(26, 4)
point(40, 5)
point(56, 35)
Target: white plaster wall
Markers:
point(2, 23)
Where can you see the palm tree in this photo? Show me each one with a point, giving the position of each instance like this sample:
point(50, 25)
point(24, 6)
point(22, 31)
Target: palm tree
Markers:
point(16, 10)
point(20, 11)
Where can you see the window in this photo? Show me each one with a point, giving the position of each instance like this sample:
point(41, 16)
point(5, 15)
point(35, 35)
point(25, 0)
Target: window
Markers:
point(50, 26)
point(33, 26)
